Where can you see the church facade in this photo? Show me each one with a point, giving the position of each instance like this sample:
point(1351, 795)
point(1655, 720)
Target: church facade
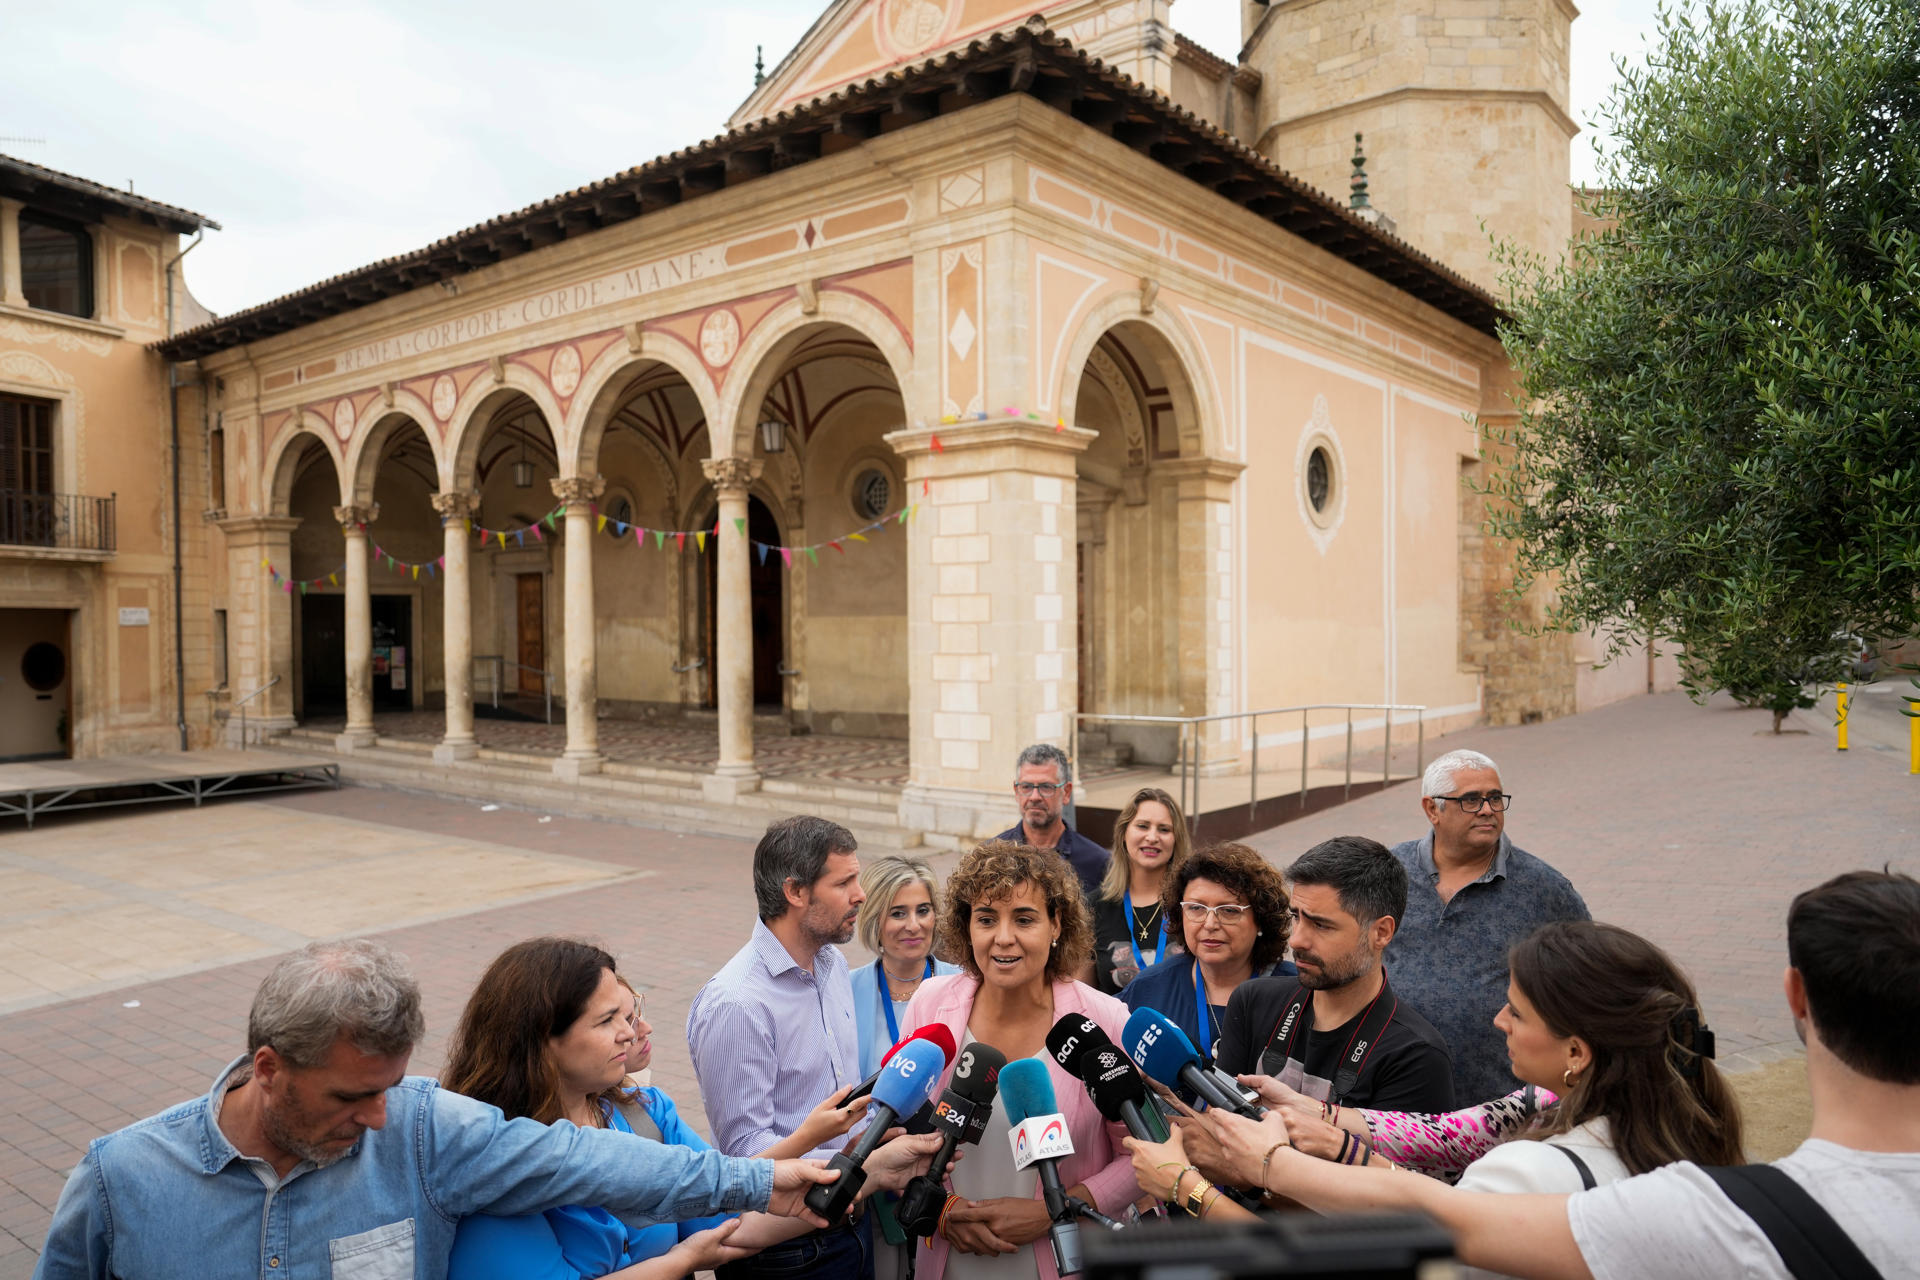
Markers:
point(989, 372)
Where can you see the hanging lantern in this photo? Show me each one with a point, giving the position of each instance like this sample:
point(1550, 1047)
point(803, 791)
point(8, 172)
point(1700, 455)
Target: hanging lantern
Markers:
point(773, 436)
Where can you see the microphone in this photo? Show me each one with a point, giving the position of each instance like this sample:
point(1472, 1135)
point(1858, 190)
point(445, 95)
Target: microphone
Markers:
point(1039, 1137)
point(933, 1033)
point(1163, 1051)
point(960, 1116)
point(903, 1085)
point(1085, 1051)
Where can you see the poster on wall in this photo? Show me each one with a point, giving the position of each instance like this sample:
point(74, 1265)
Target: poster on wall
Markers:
point(398, 678)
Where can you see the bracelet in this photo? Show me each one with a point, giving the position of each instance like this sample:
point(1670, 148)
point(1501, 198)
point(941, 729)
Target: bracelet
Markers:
point(1173, 1164)
point(940, 1224)
point(1207, 1208)
point(1346, 1141)
point(1267, 1160)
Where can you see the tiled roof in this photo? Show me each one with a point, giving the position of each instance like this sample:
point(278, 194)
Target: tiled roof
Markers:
point(1028, 59)
point(33, 183)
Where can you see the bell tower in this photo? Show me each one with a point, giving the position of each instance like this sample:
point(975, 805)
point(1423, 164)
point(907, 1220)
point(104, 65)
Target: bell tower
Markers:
point(1463, 104)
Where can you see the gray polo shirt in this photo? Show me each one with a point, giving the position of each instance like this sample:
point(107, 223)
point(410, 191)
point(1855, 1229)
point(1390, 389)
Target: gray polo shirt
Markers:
point(1449, 959)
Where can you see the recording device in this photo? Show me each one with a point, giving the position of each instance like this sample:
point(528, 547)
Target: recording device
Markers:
point(1085, 1051)
point(1163, 1051)
point(960, 1116)
point(1039, 1138)
point(1355, 1246)
point(903, 1084)
point(933, 1033)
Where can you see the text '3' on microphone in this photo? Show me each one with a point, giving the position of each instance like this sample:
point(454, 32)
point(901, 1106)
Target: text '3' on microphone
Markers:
point(1039, 1138)
point(960, 1116)
point(933, 1033)
point(1163, 1051)
point(1085, 1051)
point(902, 1086)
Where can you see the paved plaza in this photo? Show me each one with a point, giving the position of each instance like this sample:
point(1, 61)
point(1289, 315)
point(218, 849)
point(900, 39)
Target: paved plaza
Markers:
point(131, 943)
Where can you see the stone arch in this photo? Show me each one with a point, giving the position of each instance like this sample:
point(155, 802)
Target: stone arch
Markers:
point(474, 414)
point(378, 426)
point(1172, 346)
point(277, 468)
point(760, 361)
point(603, 392)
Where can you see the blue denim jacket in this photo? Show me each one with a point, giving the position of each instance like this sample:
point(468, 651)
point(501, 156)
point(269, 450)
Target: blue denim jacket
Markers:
point(170, 1197)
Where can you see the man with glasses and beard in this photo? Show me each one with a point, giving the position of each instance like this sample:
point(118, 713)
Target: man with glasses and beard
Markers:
point(1471, 894)
point(1339, 1032)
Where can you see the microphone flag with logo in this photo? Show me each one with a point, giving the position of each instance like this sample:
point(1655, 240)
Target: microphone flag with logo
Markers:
point(1085, 1051)
point(1161, 1049)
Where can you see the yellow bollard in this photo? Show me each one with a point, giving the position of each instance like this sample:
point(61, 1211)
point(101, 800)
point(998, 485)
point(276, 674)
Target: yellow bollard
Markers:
point(1841, 727)
point(1913, 737)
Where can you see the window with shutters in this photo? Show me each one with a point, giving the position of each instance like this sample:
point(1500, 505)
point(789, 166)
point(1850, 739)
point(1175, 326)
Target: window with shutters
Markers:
point(56, 264)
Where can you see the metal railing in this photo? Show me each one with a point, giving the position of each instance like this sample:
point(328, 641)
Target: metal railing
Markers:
point(241, 707)
point(496, 668)
point(59, 521)
point(1187, 751)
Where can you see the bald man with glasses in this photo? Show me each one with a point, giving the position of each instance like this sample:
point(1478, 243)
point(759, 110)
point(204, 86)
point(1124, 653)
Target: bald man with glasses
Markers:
point(1471, 894)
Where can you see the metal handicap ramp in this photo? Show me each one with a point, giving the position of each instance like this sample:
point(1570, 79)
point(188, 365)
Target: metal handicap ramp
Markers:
point(34, 788)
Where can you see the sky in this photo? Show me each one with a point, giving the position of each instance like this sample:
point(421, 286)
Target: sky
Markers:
point(325, 136)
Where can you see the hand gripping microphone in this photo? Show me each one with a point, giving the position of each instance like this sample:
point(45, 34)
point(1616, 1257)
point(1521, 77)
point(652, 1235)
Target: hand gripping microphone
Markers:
point(1085, 1051)
point(967, 1098)
point(1039, 1137)
point(1163, 1051)
point(933, 1033)
point(903, 1085)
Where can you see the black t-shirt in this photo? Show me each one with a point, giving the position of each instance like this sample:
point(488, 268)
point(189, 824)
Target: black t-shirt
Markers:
point(1113, 966)
point(1408, 1070)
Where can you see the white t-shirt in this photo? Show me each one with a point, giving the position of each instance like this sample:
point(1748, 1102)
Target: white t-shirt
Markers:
point(1533, 1167)
point(1676, 1222)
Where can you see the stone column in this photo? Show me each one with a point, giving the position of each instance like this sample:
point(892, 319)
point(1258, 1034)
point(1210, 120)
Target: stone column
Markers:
point(733, 630)
point(456, 510)
point(259, 624)
point(992, 663)
point(1204, 495)
point(359, 608)
point(579, 493)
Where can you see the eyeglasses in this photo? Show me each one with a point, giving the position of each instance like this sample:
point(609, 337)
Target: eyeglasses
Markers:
point(1036, 788)
point(1229, 915)
point(1471, 802)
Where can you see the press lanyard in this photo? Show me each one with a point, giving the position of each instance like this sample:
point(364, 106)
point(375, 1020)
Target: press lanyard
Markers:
point(1200, 1001)
point(1159, 952)
point(886, 999)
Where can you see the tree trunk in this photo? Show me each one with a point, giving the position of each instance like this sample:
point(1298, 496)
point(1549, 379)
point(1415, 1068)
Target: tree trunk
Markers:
point(1779, 717)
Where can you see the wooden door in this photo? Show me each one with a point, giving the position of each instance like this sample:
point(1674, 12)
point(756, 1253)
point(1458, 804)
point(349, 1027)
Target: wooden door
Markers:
point(532, 613)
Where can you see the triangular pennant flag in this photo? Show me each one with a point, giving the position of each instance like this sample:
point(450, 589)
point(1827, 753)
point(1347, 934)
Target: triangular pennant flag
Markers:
point(619, 528)
point(937, 446)
point(786, 556)
point(594, 507)
point(378, 551)
point(442, 562)
point(902, 517)
point(390, 562)
point(858, 537)
point(926, 487)
point(679, 541)
point(267, 565)
point(762, 548)
point(303, 588)
point(601, 525)
point(835, 544)
point(416, 572)
point(287, 587)
point(470, 527)
point(520, 537)
point(1059, 425)
point(700, 539)
point(550, 523)
point(537, 535)
point(503, 540)
point(639, 536)
point(811, 554)
point(740, 525)
point(333, 579)
point(659, 539)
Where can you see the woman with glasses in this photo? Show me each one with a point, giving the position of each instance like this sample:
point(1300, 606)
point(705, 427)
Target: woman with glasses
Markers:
point(1132, 927)
point(1230, 907)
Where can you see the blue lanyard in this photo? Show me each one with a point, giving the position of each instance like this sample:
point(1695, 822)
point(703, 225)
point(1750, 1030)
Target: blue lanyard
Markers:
point(1159, 952)
point(886, 999)
point(1200, 1001)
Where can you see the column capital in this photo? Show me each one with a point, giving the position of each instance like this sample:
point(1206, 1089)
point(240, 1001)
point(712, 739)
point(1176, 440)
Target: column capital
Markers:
point(353, 517)
point(732, 473)
point(456, 505)
point(578, 491)
point(1202, 478)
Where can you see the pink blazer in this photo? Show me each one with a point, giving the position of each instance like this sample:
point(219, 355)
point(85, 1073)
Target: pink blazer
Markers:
point(1098, 1159)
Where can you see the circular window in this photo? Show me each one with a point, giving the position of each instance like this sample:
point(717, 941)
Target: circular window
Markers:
point(44, 667)
point(621, 509)
point(872, 492)
point(1319, 479)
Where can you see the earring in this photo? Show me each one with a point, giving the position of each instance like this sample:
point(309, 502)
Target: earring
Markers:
point(1566, 1078)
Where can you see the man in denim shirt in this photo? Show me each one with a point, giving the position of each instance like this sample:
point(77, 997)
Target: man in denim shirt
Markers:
point(317, 1158)
point(1471, 894)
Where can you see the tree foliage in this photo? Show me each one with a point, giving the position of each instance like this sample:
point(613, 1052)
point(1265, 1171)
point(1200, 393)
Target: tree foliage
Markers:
point(1719, 434)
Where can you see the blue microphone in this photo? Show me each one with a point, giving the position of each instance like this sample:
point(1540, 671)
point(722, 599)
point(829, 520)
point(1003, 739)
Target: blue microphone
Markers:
point(1161, 1049)
point(902, 1085)
point(1039, 1137)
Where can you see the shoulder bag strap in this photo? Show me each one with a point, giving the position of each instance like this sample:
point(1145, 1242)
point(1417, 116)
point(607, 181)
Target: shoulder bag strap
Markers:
point(637, 1118)
point(1806, 1237)
point(1587, 1182)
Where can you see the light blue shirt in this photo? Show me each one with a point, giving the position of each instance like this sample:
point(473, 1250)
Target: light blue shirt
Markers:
point(871, 1021)
point(169, 1198)
point(769, 1040)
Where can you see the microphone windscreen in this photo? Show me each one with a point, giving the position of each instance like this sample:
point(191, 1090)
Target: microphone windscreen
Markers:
point(1071, 1038)
point(906, 1081)
point(1158, 1046)
point(1026, 1090)
point(977, 1074)
point(935, 1033)
point(887, 1057)
point(1112, 1079)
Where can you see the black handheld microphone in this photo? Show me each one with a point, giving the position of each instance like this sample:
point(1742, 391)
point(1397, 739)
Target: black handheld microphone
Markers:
point(1085, 1051)
point(968, 1096)
point(1162, 1050)
point(903, 1085)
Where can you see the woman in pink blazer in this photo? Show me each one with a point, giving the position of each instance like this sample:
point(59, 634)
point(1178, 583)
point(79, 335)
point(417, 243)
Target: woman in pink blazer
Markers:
point(1017, 925)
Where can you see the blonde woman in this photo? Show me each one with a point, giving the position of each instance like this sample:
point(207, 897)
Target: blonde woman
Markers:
point(899, 922)
point(1131, 928)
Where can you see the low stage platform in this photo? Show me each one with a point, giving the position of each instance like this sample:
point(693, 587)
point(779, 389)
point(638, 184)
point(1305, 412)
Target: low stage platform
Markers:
point(40, 787)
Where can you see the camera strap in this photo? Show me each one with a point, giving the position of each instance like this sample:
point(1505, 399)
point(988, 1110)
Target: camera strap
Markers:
point(1811, 1244)
point(1368, 1029)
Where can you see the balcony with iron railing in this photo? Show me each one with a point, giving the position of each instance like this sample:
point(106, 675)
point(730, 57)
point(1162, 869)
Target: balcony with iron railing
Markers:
point(59, 526)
